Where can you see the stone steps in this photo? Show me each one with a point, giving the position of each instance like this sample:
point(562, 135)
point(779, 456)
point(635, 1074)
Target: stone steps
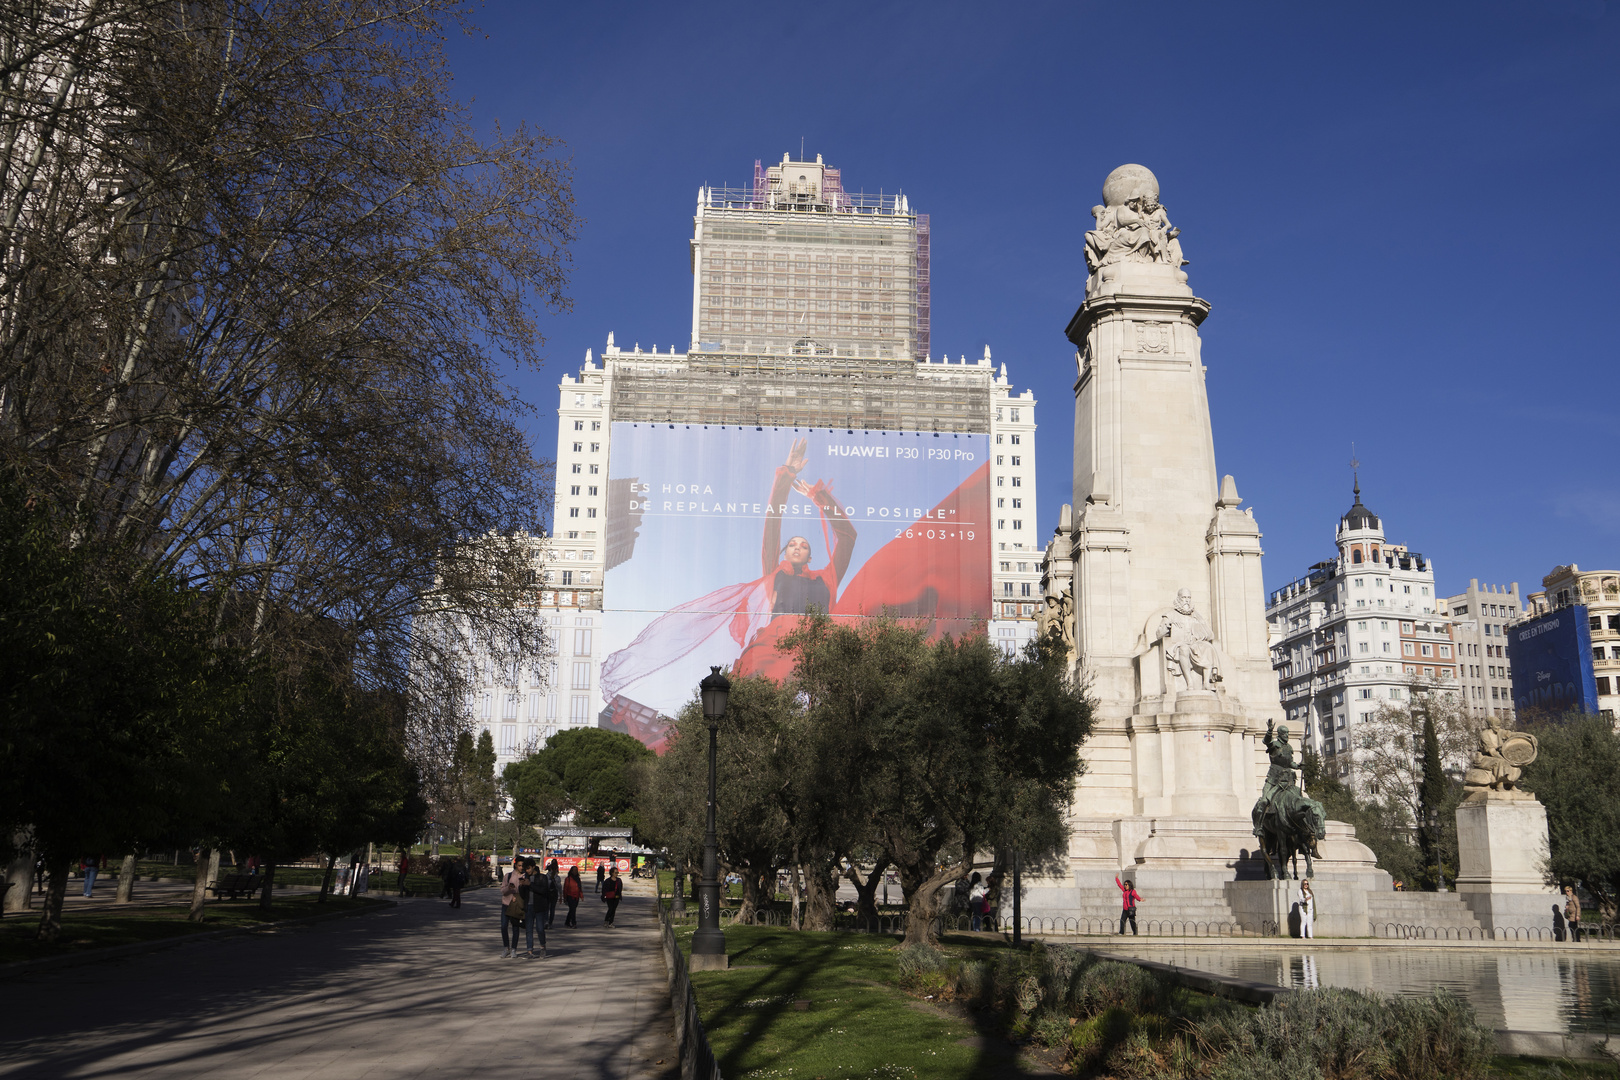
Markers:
point(1419, 909)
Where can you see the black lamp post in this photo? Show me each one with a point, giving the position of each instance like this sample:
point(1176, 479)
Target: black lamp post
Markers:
point(466, 845)
point(709, 942)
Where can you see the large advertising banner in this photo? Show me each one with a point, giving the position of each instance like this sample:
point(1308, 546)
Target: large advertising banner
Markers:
point(1551, 659)
point(719, 538)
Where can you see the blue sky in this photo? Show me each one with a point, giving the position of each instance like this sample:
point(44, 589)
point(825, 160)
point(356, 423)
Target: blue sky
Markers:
point(1405, 217)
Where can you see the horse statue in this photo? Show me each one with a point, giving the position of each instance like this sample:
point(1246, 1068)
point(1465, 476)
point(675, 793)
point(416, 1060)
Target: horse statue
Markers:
point(1286, 823)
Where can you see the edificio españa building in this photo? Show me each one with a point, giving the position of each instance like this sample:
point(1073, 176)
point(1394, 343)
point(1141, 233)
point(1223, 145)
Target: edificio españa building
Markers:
point(802, 450)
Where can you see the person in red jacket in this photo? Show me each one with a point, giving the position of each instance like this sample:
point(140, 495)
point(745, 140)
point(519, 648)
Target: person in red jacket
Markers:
point(612, 892)
point(1128, 900)
point(573, 890)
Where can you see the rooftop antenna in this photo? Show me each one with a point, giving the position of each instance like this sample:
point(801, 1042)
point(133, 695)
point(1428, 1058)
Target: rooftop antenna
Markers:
point(1355, 471)
point(801, 147)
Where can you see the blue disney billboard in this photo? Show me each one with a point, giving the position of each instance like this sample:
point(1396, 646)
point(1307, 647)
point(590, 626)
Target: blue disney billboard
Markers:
point(1551, 658)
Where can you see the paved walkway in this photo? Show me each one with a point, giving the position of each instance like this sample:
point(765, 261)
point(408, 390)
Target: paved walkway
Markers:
point(418, 990)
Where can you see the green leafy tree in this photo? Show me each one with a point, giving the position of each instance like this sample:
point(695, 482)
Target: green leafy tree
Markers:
point(592, 768)
point(1576, 775)
point(117, 710)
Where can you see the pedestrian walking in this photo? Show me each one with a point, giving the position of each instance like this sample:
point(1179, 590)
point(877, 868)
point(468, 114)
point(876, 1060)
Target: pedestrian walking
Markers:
point(600, 874)
point(1558, 923)
point(458, 878)
point(512, 886)
point(90, 867)
point(1129, 898)
point(39, 874)
point(612, 893)
point(1572, 911)
point(573, 892)
point(1307, 910)
point(404, 868)
point(554, 894)
point(536, 902)
point(978, 901)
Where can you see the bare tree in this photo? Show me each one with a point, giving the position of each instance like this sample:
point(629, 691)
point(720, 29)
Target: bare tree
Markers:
point(1389, 744)
point(259, 280)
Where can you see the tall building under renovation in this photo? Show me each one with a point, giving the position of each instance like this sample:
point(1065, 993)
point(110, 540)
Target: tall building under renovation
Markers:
point(804, 450)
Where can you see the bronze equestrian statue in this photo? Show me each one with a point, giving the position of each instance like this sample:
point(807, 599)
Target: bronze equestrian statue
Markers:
point(1286, 822)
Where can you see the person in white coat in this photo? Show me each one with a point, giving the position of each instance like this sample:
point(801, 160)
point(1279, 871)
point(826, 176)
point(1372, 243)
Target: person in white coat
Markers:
point(1307, 909)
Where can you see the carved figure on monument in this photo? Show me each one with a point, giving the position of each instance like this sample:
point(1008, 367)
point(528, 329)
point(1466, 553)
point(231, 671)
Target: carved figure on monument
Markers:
point(1057, 618)
point(1131, 225)
point(1286, 821)
point(1499, 761)
point(1189, 646)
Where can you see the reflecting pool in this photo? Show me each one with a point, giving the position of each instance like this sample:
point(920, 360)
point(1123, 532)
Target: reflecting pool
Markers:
point(1518, 989)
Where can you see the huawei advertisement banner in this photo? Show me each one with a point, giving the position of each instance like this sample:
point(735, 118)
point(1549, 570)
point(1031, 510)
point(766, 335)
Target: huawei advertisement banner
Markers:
point(719, 538)
point(1551, 660)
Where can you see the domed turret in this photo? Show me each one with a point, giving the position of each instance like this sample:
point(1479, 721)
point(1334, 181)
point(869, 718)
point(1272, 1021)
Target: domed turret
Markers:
point(1358, 516)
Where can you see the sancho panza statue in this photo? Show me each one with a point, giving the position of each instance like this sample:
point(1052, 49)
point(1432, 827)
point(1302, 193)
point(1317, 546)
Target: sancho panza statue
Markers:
point(1285, 820)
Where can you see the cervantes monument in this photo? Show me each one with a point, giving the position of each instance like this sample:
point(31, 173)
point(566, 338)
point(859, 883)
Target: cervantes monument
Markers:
point(1167, 601)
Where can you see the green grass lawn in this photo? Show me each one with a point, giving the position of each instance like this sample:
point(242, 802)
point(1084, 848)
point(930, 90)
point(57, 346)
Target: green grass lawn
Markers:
point(859, 1023)
point(103, 927)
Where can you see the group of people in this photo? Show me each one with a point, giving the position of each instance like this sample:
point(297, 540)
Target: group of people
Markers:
point(1304, 904)
point(529, 899)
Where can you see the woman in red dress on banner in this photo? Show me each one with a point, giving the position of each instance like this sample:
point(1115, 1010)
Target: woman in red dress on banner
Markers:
point(791, 587)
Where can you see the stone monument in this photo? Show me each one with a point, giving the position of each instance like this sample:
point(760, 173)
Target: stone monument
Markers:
point(1502, 835)
point(1167, 597)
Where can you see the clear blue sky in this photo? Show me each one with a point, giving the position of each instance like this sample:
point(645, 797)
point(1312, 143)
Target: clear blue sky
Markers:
point(1405, 217)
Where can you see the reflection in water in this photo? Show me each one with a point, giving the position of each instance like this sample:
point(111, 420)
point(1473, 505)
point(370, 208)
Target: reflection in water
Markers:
point(1520, 989)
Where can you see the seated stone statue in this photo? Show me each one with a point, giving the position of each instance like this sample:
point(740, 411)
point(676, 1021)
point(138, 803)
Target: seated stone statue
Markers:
point(1281, 795)
point(1500, 759)
point(1190, 651)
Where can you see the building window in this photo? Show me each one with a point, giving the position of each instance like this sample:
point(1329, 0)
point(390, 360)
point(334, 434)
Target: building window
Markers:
point(596, 425)
point(580, 710)
point(579, 425)
point(1000, 503)
point(1355, 555)
point(510, 709)
point(1006, 588)
point(582, 676)
point(568, 577)
point(1016, 460)
point(1406, 647)
point(551, 706)
point(579, 447)
point(1017, 482)
point(508, 738)
point(1025, 589)
point(1001, 523)
point(1018, 504)
point(1603, 684)
point(582, 643)
point(1015, 437)
point(591, 512)
point(573, 511)
point(595, 446)
point(1427, 650)
point(484, 712)
point(999, 479)
point(534, 706)
point(573, 489)
point(1018, 523)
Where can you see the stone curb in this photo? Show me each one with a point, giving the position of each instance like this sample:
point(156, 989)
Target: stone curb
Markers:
point(1295, 944)
point(90, 956)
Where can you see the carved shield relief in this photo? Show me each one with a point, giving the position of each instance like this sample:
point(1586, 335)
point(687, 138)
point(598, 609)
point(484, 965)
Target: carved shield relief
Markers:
point(1152, 337)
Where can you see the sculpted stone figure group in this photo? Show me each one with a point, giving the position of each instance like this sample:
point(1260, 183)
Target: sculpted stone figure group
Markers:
point(1499, 761)
point(1132, 226)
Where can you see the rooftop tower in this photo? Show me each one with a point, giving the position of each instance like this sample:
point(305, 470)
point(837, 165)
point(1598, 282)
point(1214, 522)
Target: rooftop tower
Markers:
point(794, 265)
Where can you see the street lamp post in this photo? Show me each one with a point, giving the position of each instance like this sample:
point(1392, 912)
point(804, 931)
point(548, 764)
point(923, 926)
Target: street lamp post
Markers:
point(466, 845)
point(709, 942)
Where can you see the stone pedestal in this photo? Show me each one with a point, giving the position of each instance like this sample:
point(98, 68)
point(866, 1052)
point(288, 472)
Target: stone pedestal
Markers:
point(708, 962)
point(1261, 907)
point(1501, 856)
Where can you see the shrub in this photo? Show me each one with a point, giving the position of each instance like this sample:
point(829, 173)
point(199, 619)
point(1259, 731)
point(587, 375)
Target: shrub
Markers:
point(975, 983)
point(1348, 1035)
point(922, 967)
point(1110, 984)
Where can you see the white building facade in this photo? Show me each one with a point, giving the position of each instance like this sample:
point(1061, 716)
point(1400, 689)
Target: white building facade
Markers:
point(1480, 617)
point(1357, 631)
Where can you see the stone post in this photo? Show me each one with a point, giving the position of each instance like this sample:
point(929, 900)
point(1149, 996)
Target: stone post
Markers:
point(1502, 857)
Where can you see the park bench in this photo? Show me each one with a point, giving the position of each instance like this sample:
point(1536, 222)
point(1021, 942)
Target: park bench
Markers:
point(234, 884)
